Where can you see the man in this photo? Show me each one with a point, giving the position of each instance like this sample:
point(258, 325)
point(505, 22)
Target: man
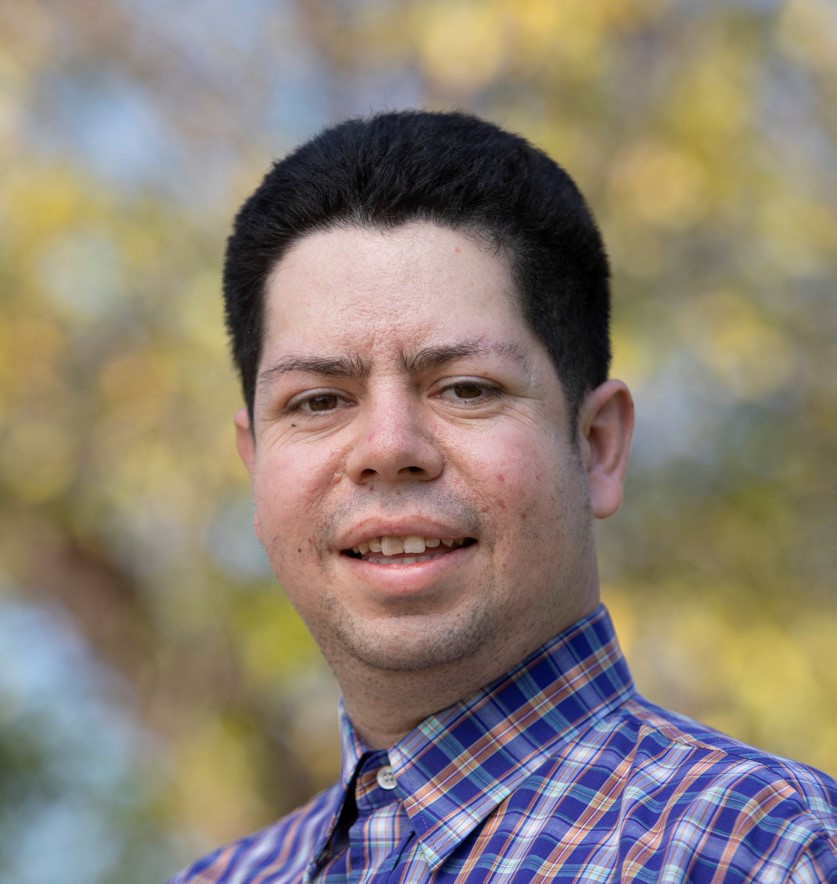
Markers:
point(419, 307)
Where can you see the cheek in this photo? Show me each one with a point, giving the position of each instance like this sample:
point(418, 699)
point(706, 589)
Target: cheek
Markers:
point(528, 485)
point(509, 481)
point(288, 489)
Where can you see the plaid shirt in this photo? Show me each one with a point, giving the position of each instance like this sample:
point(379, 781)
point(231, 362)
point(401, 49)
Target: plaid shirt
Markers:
point(559, 770)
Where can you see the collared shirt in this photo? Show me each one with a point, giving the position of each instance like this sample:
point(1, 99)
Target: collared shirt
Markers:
point(557, 771)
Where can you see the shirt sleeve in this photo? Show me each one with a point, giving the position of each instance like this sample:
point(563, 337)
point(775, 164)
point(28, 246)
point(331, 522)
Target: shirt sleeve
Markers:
point(817, 863)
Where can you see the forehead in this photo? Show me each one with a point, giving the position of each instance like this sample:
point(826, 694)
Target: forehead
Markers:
point(367, 287)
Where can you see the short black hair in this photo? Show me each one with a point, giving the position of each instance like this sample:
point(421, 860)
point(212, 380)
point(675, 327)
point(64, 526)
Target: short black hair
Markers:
point(457, 171)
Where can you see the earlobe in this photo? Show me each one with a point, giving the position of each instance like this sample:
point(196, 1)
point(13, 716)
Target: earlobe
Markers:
point(606, 423)
point(244, 439)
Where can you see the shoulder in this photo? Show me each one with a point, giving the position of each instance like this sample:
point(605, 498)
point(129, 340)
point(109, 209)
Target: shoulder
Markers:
point(747, 806)
point(282, 849)
point(668, 743)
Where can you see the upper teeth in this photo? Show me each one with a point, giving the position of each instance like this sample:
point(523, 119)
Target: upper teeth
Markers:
point(393, 546)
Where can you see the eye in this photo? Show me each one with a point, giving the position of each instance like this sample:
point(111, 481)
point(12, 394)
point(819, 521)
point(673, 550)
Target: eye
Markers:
point(323, 402)
point(468, 392)
point(317, 402)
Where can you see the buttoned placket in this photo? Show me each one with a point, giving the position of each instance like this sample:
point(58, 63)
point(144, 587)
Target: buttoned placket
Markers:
point(361, 842)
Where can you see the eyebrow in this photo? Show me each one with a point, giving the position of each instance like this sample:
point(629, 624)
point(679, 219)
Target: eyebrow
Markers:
point(425, 359)
point(432, 357)
point(330, 366)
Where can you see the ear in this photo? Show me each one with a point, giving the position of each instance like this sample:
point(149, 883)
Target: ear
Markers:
point(605, 427)
point(245, 441)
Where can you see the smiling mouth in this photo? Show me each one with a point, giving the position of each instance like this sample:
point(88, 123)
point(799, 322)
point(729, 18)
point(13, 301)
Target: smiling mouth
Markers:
point(406, 550)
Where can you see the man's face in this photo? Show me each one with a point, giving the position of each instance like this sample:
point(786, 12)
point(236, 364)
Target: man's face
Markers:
point(416, 487)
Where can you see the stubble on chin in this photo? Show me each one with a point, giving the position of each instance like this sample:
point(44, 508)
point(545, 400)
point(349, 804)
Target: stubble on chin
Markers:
point(408, 642)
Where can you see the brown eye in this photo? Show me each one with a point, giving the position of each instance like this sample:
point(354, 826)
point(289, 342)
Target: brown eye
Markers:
point(467, 391)
point(323, 402)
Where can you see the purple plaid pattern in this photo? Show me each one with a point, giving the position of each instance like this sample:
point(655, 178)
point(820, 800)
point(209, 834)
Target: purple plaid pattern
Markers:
point(557, 771)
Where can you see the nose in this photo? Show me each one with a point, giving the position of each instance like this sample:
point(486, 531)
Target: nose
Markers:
point(395, 443)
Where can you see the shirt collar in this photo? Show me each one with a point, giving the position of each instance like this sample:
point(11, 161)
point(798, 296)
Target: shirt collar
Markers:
point(461, 763)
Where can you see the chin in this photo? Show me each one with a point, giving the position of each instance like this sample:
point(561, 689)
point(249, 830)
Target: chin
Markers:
point(408, 647)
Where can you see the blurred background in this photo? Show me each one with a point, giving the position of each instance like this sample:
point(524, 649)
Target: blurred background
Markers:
point(157, 694)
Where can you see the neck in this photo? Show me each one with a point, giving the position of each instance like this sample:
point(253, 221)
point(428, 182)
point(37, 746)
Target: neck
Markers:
point(385, 705)
point(384, 709)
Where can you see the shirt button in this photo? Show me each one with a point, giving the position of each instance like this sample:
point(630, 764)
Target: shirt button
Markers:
point(386, 778)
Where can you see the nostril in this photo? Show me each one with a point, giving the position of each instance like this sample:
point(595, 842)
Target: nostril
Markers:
point(399, 460)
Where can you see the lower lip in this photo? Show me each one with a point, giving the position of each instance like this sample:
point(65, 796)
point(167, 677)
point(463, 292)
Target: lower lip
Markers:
point(408, 576)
